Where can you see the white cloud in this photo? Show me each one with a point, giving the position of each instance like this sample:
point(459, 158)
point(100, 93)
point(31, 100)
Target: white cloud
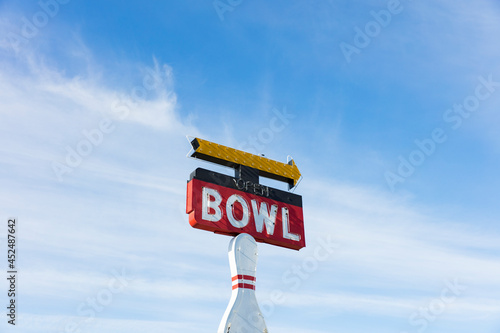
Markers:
point(33, 323)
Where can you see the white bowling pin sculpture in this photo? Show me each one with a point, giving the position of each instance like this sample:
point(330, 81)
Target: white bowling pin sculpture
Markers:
point(243, 314)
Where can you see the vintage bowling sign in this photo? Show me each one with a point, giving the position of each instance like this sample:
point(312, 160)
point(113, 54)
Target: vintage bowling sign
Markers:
point(234, 205)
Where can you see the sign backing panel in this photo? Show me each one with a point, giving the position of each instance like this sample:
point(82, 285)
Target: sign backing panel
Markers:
point(269, 215)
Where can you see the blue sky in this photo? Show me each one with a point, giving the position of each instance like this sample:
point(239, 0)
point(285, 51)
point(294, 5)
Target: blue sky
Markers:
point(397, 143)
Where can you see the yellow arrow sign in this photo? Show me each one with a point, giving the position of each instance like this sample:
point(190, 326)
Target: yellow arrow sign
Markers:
point(215, 153)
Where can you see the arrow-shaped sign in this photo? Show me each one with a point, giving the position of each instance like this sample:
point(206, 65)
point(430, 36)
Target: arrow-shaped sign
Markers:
point(230, 157)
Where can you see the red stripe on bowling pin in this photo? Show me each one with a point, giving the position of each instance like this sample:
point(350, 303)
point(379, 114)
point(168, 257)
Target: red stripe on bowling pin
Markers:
point(243, 281)
point(243, 286)
point(243, 277)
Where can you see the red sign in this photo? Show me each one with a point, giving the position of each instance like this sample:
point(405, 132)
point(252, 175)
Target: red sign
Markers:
point(229, 211)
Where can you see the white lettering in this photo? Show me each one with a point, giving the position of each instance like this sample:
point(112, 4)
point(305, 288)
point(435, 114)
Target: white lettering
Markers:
point(286, 228)
point(230, 205)
point(208, 204)
point(263, 216)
